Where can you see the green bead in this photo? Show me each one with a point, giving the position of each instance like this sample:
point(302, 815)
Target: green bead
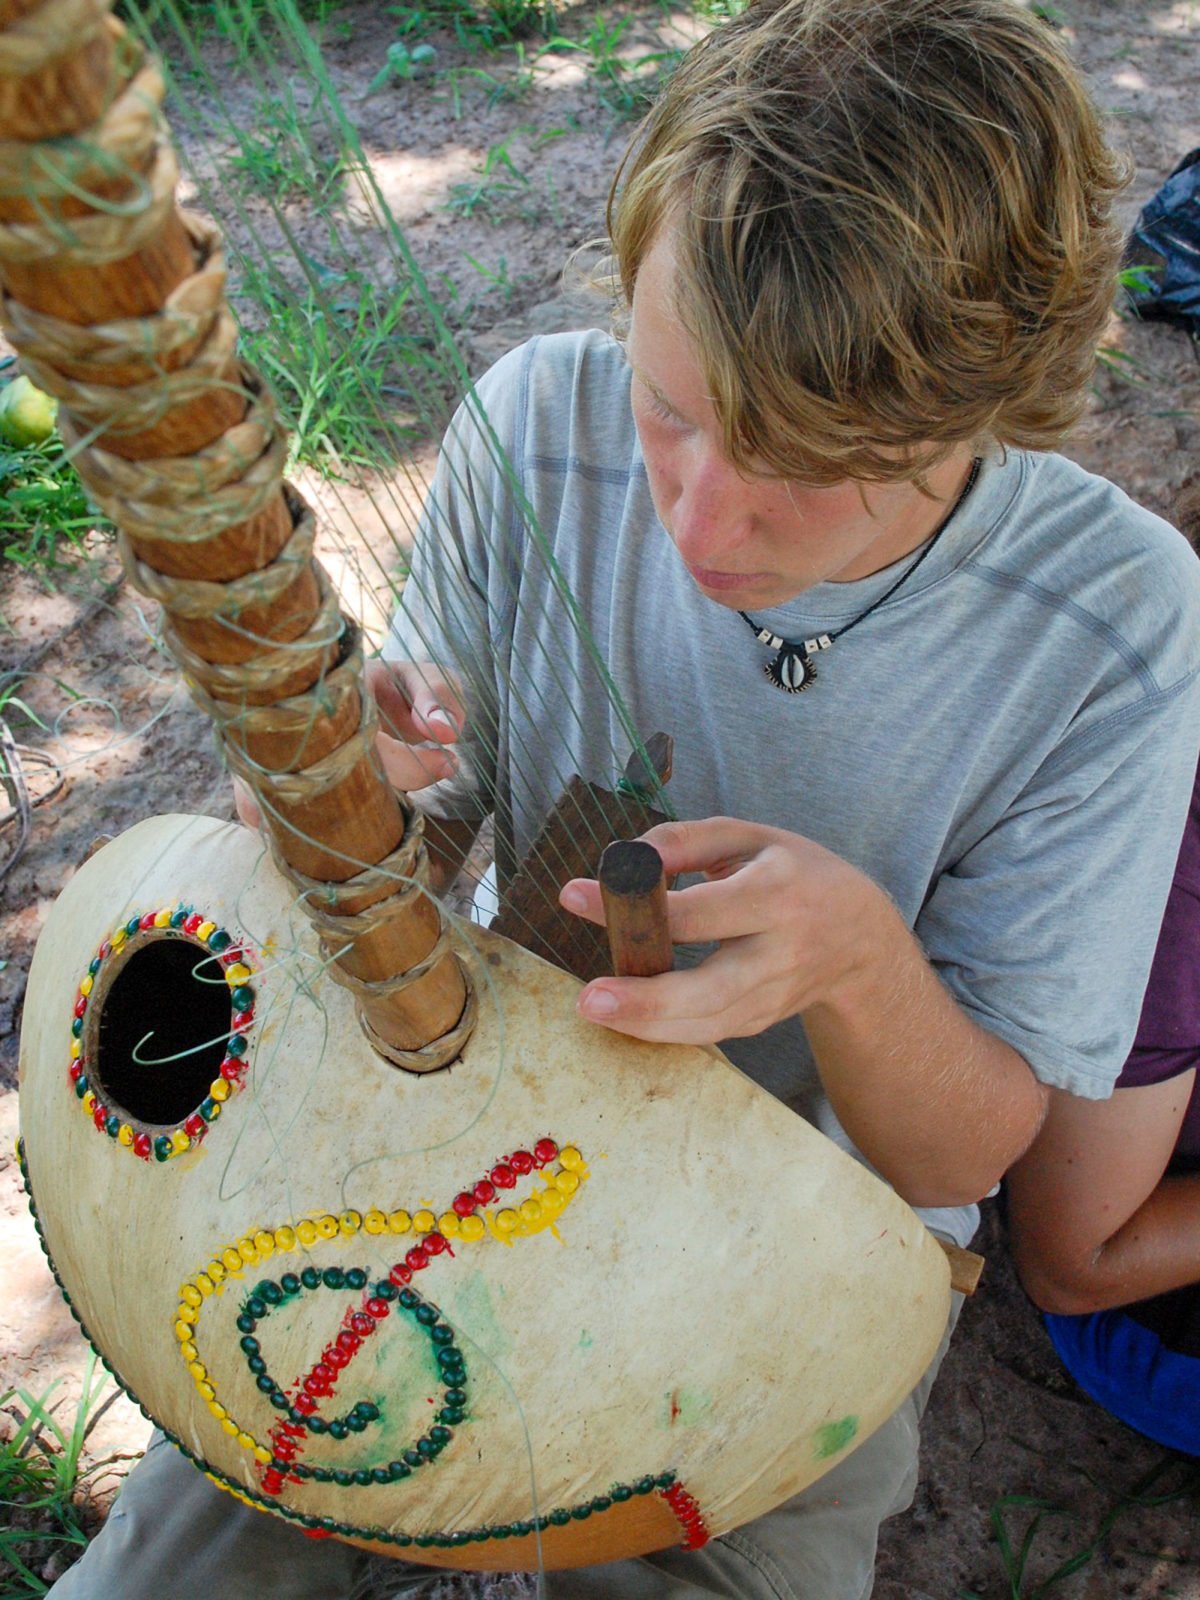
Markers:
point(178, 918)
point(210, 1109)
point(427, 1316)
point(356, 1278)
point(665, 1480)
point(235, 1045)
point(450, 1415)
point(133, 924)
point(76, 1026)
point(290, 1283)
point(560, 1518)
point(311, 1278)
point(581, 1513)
point(255, 1306)
point(343, 1478)
point(270, 1292)
point(257, 1365)
point(622, 1492)
point(367, 1409)
point(218, 940)
point(644, 1486)
point(442, 1334)
point(363, 1477)
point(338, 1429)
point(380, 1475)
point(112, 1126)
point(81, 1086)
point(398, 1470)
point(456, 1397)
point(440, 1435)
point(162, 1148)
point(242, 997)
point(333, 1278)
point(414, 1458)
point(249, 1345)
point(94, 965)
point(601, 1503)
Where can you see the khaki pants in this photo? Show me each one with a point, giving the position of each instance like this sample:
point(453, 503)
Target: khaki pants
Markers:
point(172, 1535)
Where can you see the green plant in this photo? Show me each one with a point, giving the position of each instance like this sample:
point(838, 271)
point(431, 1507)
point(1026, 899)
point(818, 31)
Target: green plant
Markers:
point(43, 506)
point(626, 85)
point(340, 361)
point(488, 25)
point(499, 188)
point(43, 1485)
point(280, 159)
point(404, 62)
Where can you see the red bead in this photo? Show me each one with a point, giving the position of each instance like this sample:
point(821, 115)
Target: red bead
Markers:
point(293, 1428)
point(337, 1358)
point(347, 1341)
point(400, 1274)
point(417, 1258)
point(100, 1116)
point(435, 1244)
point(81, 1005)
point(521, 1161)
point(504, 1177)
point(485, 1192)
point(272, 1482)
point(75, 1069)
point(464, 1204)
point(285, 1449)
point(194, 1126)
point(148, 920)
point(190, 924)
point(377, 1308)
point(232, 1068)
point(242, 1019)
point(362, 1323)
point(141, 1145)
point(229, 957)
point(104, 950)
point(545, 1150)
point(316, 1533)
point(305, 1404)
point(322, 1373)
point(315, 1386)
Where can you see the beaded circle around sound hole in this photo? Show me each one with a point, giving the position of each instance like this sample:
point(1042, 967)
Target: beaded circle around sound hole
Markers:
point(160, 1030)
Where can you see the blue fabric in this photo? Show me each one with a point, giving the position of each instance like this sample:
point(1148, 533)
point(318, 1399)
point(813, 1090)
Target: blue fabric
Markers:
point(1130, 1371)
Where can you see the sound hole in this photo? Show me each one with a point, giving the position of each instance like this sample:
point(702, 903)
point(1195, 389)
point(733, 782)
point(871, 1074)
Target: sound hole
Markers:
point(161, 1079)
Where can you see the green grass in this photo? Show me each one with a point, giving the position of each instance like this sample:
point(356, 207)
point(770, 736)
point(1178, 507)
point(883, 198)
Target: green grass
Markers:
point(45, 1510)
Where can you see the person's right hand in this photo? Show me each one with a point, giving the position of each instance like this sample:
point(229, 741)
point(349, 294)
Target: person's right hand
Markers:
point(420, 706)
point(420, 715)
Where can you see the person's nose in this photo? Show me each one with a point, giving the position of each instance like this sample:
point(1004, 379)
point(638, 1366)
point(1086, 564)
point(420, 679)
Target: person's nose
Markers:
point(711, 512)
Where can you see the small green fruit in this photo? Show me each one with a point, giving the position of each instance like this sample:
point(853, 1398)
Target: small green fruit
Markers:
point(26, 414)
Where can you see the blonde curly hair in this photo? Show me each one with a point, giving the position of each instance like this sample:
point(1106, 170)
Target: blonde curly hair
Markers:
point(892, 225)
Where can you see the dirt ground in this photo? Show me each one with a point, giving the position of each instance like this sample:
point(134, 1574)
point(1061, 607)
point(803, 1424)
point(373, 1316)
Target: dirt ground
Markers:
point(1009, 1442)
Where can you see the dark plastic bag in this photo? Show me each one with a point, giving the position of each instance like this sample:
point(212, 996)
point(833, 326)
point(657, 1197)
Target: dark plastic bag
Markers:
point(1164, 251)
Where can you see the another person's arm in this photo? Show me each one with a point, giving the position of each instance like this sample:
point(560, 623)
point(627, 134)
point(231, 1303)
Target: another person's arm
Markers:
point(1094, 1221)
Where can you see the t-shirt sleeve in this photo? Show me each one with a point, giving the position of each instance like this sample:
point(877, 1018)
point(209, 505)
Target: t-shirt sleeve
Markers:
point(463, 576)
point(1045, 929)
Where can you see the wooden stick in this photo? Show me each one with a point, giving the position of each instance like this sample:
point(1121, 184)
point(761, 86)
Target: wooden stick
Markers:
point(633, 887)
point(966, 1267)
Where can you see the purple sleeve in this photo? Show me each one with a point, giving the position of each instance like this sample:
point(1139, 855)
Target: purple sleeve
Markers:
point(1168, 1035)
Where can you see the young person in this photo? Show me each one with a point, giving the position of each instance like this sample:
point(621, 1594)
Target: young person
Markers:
point(867, 255)
point(1104, 1209)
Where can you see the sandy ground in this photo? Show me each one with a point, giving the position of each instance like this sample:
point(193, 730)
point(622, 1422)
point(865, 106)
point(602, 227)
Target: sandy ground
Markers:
point(1008, 1436)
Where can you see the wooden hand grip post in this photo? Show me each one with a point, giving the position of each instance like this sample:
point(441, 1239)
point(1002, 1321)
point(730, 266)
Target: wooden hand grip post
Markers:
point(114, 300)
point(633, 887)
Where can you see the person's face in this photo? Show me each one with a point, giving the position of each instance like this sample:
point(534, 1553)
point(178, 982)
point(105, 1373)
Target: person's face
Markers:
point(751, 542)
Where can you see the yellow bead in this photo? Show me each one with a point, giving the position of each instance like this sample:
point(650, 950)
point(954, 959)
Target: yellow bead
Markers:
point(180, 1141)
point(89, 1102)
point(203, 932)
point(191, 1294)
point(399, 1221)
point(552, 1201)
point(230, 1426)
point(448, 1225)
point(566, 1182)
point(238, 973)
point(306, 1232)
point(261, 1453)
point(570, 1158)
point(76, 1048)
point(218, 1410)
point(231, 1258)
point(198, 1371)
point(285, 1238)
point(375, 1221)
point(245, 1249)
point(186, 1313)
point(162, 919)
point(531, 1209)
point(327, 1226)
point(184, 1330)
point(119, 937)
point(264, 1242)
point(424, 1222)
point(247, 1441)
point(189, 1352)
point(206, 1391)
point(125, 1135)
point(205, 1284)
point(506, 1220)
point(216, 1271)
point(219, 1090)
point(472, 1228)
point(350, 1221)
point(85, 984)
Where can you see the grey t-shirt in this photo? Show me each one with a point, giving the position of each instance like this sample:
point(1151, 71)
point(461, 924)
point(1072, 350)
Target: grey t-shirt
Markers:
point(1006, 745)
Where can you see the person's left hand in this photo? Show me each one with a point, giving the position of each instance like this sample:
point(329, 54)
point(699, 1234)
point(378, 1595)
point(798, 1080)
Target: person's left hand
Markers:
point(793, 922)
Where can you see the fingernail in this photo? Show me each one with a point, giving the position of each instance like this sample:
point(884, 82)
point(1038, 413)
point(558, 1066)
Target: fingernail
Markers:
point(572, 899)
point(438, 715)
point(599, 1003)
